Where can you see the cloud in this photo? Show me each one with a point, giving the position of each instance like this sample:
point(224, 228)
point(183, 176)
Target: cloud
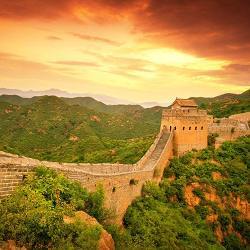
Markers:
point(55, 38)
point(232, 74)
point(218, 29)
point(207, 28)
point(27, 9)
point(77, 63)
point(96, 39)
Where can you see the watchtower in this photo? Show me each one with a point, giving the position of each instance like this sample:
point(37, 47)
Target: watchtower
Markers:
point(188, 123)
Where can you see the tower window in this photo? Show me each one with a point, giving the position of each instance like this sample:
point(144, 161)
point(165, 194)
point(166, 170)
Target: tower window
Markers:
point(174, 128)
point(202, 128)
point(170, 128)
point(195, 128)
point(183, 128)
point(189, 128)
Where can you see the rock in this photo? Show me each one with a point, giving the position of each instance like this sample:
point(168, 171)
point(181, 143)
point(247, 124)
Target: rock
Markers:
point(191, 199)
point(219, 234)
point(211, 195)
point(211, 218)
point(106, 241)
point(74, 138)
point(243, 207)
point(95, 118)
point(216, 176)
point(113, 152)
point(171, 178)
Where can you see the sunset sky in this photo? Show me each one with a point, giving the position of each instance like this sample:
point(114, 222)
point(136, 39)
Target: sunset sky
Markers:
point(138, 50)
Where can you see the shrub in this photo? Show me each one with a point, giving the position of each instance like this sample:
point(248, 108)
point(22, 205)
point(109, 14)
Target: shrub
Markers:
point(203, 211)
point(198, 192)
point(224, 221)
point(33, 214)
point(232, 242)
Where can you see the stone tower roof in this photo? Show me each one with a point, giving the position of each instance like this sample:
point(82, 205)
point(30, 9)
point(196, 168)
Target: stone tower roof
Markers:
point(185, 103)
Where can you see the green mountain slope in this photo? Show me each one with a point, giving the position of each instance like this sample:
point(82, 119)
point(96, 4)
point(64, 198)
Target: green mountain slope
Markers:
point(50, 129)
point(226, 104)
point(204, 195)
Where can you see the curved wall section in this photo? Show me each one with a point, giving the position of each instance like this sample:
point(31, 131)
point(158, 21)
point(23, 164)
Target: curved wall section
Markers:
point(122, 182)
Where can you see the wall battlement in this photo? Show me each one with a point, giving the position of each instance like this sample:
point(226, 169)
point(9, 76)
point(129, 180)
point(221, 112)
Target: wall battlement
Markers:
point(183, 112)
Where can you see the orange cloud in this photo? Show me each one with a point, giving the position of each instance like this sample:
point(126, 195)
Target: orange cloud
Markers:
point(56, 38)
point(96, 39)
point(77, 63)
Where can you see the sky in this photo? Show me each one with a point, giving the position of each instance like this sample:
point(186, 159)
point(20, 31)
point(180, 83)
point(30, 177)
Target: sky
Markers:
point(138, 50)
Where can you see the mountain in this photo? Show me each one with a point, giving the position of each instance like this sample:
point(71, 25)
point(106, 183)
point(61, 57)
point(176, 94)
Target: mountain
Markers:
point(60, 93)
point(87, 102)
point(49, 128)
point(109, 100)
point(226, 104)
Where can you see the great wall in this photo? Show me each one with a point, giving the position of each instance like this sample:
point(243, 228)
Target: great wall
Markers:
point(183, 128)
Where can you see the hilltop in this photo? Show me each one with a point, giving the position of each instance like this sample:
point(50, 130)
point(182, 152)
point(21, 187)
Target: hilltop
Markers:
point(49, 128)
point(226, 104)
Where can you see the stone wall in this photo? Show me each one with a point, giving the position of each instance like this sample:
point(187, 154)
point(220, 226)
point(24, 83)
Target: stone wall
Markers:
point(229, 129)
point(116, 179)
point(243, 117)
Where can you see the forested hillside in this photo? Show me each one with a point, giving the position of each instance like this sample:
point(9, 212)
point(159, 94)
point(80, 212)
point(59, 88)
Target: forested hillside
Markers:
point(225, 105)
point(48, 128)
point(202, 203)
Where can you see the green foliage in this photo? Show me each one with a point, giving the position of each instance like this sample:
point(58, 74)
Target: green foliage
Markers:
point(198, 192)
point(33, 214)
point(153, 224)
point(205, 154)
point(225, 105)
point(203, 211)
point(51, 128)
point(232, 242)
point(224, 220)
point(243, 227)
point(94, 205)
point(231, 161)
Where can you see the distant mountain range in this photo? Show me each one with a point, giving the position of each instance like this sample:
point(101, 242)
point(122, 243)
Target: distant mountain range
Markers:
point(60, 93)
point(219, 106)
